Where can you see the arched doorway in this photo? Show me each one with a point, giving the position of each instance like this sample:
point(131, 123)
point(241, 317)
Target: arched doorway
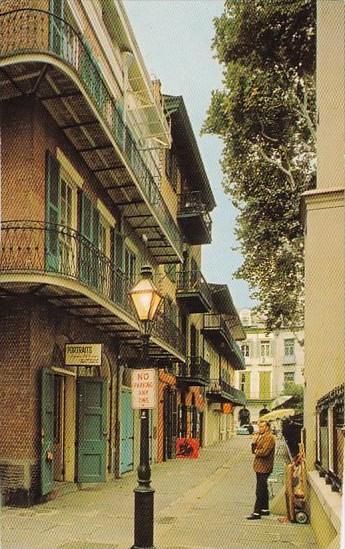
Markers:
point(263, 411)
point(244, 416)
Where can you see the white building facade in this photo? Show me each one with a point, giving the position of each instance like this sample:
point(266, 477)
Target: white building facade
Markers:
point(272, 360)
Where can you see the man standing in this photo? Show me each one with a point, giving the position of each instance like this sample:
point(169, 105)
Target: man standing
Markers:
point(263, 447)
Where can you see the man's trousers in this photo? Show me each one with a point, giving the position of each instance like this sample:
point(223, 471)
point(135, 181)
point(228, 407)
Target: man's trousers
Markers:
point(261, 502)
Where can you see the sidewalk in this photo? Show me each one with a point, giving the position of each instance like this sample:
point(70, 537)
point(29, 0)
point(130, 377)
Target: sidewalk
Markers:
point(198, 504)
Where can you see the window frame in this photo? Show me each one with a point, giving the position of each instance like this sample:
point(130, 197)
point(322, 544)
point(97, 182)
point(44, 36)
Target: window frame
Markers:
point(265, 344)
point(289, 347)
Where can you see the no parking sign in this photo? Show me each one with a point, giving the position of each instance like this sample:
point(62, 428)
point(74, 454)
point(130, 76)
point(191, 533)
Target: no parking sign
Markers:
point(143, 389)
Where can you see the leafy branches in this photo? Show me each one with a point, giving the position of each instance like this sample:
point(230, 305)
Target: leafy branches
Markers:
point(265, 115)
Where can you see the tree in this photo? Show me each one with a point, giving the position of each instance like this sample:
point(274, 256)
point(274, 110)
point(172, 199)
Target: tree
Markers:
point(297, 392)
point(265, 116)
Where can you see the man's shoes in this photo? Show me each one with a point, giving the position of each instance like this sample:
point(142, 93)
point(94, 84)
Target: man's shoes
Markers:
point(254, 516)
point(265, 512)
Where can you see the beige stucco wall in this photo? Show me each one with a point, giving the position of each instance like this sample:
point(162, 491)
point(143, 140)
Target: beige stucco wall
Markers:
point(325, 303)
point(330, 93)
point(323, 529)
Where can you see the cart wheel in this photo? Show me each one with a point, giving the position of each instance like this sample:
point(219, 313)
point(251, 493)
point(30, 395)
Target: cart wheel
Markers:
point(301, 517)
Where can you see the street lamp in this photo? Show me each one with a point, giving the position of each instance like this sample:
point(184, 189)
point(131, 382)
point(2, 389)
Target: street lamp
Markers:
point(146, 299)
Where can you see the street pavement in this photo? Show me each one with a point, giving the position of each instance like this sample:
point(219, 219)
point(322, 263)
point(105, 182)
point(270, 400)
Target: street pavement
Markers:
point(199, 504)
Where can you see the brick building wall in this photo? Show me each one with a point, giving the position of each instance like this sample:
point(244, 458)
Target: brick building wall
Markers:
point(30, 332)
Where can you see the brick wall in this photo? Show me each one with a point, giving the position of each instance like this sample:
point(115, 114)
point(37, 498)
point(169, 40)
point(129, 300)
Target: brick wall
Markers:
point(29, 332)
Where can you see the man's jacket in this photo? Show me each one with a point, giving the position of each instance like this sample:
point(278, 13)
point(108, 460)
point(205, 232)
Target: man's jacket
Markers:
point(264, 453)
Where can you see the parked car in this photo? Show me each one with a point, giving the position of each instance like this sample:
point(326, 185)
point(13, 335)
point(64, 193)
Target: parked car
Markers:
point(245, 429)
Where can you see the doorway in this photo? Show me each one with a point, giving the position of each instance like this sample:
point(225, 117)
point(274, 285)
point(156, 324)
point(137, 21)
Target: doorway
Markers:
point(58, 424)
point(170, 423)
point(74, 437)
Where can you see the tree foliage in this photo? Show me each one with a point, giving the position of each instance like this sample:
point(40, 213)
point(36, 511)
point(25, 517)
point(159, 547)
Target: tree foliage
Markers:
point(265, 115)
point(297, 392)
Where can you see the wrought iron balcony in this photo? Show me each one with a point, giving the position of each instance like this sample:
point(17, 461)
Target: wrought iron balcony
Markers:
point(166, 330)
point(32, 34)
point(194, 218)
point(221, 391)
point(216, 330)
point(32, 247)
point(193, 291)
point(196, 372)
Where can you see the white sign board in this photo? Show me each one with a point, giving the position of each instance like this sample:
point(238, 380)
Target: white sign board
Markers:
point(143, 389)
point(83, 354)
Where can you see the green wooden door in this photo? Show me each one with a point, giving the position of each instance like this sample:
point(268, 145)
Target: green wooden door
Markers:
point(47, 431)
point(265, 385)
point(92, 429)
point(53, 213)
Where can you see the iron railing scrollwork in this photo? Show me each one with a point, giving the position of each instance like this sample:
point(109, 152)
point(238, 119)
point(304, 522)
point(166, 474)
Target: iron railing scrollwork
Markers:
point(193, 282)
point(35, 247)
point(330, 414)
point(29, 30)
point(196, 367)
point(219, 386)
point(214, 321)
point(191, 202)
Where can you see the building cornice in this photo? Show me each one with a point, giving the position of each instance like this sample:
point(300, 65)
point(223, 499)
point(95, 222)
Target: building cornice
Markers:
point(317, 199)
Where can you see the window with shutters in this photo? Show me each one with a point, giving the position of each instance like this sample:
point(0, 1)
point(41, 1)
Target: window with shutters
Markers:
point(245, 383)
point(245, 349)
point(68, 212)
point(104, 237)
point(61, 217)
point(91, 263)
point(130, 266)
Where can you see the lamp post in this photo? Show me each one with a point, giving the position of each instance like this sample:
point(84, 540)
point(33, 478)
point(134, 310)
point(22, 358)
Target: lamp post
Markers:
point(146, 300)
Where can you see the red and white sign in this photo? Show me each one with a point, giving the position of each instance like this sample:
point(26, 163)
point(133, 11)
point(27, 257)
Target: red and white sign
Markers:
point(143, 389)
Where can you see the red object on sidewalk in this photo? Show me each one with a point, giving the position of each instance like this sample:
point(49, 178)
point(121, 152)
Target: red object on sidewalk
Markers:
point(187, 448)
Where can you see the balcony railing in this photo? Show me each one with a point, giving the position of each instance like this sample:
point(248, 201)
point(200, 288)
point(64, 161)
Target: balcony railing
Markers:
point(34, 247)
point(330, 411)
point(220, 388)
point(194, 217)
point(166, 330)
point(192, 286)
point(196, 371)
point(215, 324)
point(36, 31)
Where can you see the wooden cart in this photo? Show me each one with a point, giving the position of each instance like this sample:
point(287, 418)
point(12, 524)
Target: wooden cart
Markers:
point(296, 488)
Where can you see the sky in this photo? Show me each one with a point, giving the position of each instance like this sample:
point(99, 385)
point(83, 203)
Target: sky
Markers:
point(175, 39)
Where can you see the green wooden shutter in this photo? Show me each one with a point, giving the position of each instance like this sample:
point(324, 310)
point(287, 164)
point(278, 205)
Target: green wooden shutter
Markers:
point(247, 384)
point(85, 229)
point(265, 385)
point(53, 213)
point(89, 228)
point(119, 286)
point(119, 125)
